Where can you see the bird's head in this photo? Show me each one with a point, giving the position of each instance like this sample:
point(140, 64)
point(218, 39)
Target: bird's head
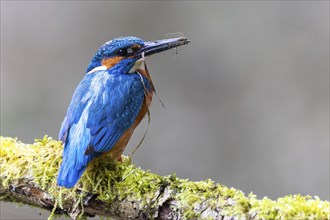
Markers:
point(127, 54)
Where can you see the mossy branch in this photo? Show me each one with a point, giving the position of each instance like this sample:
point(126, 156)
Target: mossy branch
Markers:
point(28, 175)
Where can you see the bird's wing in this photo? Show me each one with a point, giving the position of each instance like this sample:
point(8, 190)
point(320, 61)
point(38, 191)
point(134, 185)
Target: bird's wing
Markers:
point(114, 111)
point(102, 108)
point(107, 105)
point(76, 107)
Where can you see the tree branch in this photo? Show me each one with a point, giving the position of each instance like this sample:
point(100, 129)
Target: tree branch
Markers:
point(28, 175)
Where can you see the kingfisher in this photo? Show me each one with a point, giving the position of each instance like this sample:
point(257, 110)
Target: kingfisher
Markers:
point(108, 104)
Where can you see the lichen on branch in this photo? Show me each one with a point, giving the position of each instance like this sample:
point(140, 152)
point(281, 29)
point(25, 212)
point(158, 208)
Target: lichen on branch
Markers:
point(28, 174)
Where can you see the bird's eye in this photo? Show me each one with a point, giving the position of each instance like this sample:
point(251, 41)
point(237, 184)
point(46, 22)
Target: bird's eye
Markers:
point(125, 52)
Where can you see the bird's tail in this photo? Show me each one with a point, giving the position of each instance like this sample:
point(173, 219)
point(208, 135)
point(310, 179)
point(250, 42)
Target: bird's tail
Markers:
point(69, 173)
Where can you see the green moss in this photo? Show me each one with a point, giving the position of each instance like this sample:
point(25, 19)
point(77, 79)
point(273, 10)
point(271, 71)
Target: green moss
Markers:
point(41, 160)
point(291, 207)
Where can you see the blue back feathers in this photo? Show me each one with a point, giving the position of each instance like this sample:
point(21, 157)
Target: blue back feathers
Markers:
point(104, 105)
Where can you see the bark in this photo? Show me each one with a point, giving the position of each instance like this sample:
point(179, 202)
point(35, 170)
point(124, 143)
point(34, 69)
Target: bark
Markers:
point(25, 191)
point(28, 175)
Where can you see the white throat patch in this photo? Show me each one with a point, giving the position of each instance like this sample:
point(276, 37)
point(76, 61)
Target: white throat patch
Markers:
point(137, 64)
point(97, 69)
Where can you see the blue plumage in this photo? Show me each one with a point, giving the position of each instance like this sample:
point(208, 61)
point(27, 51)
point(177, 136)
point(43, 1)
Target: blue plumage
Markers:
point(110, 47)
point(103, 106)
point(108, 103)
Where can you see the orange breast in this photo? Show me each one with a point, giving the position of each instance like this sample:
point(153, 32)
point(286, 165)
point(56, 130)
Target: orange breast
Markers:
point(120, 146)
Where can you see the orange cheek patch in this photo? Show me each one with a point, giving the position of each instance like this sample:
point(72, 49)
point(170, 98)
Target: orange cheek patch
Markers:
point(136, 47)
point(110, 62)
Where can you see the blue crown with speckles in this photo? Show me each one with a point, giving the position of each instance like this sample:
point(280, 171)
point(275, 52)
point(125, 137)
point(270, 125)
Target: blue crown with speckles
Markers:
point(109, 48)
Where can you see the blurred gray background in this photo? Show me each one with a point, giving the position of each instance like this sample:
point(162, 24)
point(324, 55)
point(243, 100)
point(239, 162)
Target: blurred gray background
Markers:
point(247, 101)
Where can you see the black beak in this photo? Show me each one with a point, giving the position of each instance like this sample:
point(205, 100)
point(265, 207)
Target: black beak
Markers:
point(158, 46)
